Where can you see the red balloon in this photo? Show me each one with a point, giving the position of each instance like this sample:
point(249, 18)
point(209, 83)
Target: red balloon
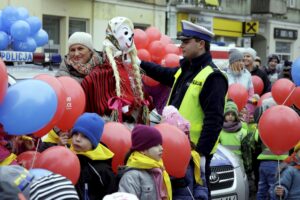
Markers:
point(165, 39)
point(60, 160)
point(258, 84)
point(144, 55)
point(3, 80)
point(238, 94)
point(264, 96)
point(140, 39)
point(61, 97)
point(157, 51)
point(118, 139)
point(279, 128)
point(176, 149)
point(75, 102)
point(171, 60)
point(172, 48)
point(149, 81)
point(153, 34)
point(25, 159)
point(296, 97)
point(282, 91)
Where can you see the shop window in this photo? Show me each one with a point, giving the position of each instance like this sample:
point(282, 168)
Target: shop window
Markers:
point(283, 50)
point(51, 24)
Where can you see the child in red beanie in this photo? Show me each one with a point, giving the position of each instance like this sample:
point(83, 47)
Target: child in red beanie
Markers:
point(145, 175)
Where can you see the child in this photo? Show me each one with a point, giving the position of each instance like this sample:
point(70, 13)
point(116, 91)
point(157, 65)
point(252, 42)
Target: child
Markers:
point(191, 186)
point(288, 188)
point(96, 176)
point(232, 132)
point(145, 175)
point(53, 138)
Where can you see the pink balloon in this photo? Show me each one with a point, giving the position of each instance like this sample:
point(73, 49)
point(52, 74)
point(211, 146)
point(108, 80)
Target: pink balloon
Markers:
point(165, 40)
point(153, 34)
point(157, 51)
point(143, 54)
point(238, 94)
point(258, 84)
point(3, 80)
point(282, 91)
point(172, 48)
point(140, 39)
point(172, 60)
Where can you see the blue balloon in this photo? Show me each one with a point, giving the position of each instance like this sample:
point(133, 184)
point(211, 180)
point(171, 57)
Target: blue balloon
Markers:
point(9, 16)
point(28, 45)
point(28, 106)
point(4, 40)
point(20, 30)
point(38, 173)
point(1, 26)
point(41, 37)
point(23, 13)
point(296, 71)
point(34, 23)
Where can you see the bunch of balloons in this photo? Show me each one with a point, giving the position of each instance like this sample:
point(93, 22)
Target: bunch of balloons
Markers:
point(156, 47)
point(21, 31)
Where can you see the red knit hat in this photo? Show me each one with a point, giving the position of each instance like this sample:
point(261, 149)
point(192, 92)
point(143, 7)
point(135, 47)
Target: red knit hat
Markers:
point(144, 137)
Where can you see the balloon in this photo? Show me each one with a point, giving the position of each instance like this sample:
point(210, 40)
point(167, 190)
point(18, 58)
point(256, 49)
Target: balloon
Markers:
point(25, 159)
point(172, 48)
point(157, 51)
point(172, 60)
point(258, 84)
point(41, 37)
point(4, 40)
point(38, 173)
point(61, 97)
point(238, 94)
point(264, 96)
point(20, 30)
point(27, 107)
point(165, 39)
point(60, 160)
point(296, 97)
point(9, 16)
point(75, 102)
point(149, 81)
point(144, 55)
point(296, 71)
point(118, 139)
point(176, 149)
point(1, 26)
point(279, 128)
point(282, 90)
point(28, 45)
point(3, 80)
point(34, 23)
point(153, 34)
point(23, 13)
point(140, 39)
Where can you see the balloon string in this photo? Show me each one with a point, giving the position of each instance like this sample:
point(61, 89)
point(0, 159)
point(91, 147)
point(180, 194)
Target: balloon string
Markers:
point(34, 157)
point(288, 96)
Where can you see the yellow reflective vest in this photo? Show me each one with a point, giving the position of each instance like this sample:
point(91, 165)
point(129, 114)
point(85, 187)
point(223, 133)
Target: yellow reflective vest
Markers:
point(190, 107)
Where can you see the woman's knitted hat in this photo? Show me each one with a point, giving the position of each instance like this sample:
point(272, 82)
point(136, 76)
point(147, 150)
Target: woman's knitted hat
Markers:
point(172, 116)
point(235, 55)
point(90, 125)
point(82, 38)
point(251, 52)
point(144, 137)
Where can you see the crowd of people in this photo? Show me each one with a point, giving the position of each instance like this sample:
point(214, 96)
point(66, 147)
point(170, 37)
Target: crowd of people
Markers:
point(197, 104)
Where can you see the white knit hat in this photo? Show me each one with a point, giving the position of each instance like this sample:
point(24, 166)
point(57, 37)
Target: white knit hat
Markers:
point(250, 51)
point(81, 38)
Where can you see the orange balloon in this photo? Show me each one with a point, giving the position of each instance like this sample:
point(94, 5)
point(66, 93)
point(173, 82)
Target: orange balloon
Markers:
point(279, 128)
point(258, 84)
point(238, 94)
point(61, 97)
point(176, 149)
point(118, 139)
point(25, 159)
point(282, 91)
point(140, 39)
point(153, 34)
point(3, 80)
point(144, 55)
point(60, 160)
point(75, 102)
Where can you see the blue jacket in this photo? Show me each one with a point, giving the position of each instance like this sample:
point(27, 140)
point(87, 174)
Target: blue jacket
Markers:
point(290, 181)
point(182, 188)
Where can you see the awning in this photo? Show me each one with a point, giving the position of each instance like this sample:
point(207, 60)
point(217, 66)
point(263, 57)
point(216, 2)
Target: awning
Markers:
point(212, 2)
point(226, 27)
